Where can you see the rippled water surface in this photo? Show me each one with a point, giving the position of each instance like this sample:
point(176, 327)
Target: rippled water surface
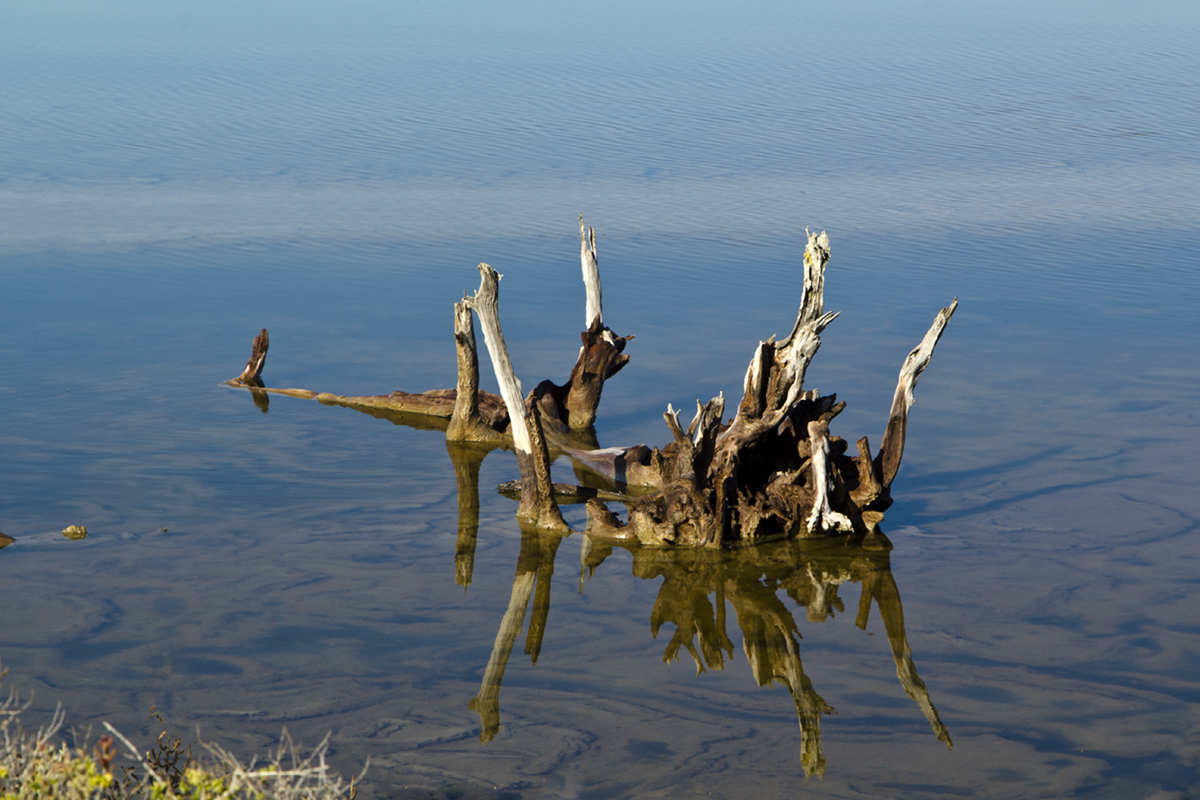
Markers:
point(175, 177)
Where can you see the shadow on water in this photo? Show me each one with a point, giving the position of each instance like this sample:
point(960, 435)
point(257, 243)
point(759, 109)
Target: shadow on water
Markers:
point(698, 585)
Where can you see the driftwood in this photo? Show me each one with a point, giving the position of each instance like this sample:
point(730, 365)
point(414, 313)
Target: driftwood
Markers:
point(772, 471)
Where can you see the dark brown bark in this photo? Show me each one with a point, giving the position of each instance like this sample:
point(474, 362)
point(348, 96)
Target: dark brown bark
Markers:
point(601, 356)
point(538, 503)
point(773, 470)
point(251, 375)
point(476, 416)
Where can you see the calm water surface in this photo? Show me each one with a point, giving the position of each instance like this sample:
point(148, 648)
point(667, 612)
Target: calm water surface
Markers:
point(175, 177)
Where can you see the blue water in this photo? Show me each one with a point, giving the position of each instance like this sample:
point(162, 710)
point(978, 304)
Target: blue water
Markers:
point(175, 177)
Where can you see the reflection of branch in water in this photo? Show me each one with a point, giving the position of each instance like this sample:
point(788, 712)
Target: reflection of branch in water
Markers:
point(880, 585)
point(466, 458)
point(815, 589)
point(810, 572)
point(683, 600)
point(770, 641)
point(750, 579)
point(535, 565)
point(262, 400)
point(548, 548)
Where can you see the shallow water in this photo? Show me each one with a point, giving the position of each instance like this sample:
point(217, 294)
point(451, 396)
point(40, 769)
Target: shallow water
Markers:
point(173, 180)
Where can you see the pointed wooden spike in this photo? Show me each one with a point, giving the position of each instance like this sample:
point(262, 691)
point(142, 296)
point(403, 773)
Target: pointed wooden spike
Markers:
point(891, 449)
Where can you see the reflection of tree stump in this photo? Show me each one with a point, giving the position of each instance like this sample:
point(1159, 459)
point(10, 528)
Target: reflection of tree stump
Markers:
point(879, 585)
point(750, 579)
point(696, 585)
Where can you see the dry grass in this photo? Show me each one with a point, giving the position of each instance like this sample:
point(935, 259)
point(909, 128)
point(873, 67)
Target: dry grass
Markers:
point(40, 766)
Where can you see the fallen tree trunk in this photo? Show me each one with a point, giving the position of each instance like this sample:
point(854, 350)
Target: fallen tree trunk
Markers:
point(465, 413)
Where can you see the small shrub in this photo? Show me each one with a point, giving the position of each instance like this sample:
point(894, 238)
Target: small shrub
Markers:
point(38, 766)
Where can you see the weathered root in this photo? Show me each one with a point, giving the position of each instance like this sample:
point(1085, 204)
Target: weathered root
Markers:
point(892, 448)
point(823, 518)
point(773, 470)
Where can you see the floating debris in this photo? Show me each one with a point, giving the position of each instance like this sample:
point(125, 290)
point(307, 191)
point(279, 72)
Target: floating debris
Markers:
point(75, 532)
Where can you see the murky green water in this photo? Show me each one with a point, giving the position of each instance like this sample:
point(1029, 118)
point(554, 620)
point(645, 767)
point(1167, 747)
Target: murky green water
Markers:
point(173, 182)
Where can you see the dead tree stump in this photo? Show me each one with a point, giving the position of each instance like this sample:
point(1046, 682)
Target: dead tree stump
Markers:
point(772, 471)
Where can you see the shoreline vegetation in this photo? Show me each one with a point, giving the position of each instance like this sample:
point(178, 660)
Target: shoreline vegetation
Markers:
point(44, 766)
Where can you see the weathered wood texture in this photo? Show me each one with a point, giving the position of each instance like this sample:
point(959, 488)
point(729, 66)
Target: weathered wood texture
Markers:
point(593, 311)
point(533, 459)
point(481, 416)
point(477, 416)
point(892, 448)
point(258, 357)
point(773, 470)
point(573, 405)
point(568, 410)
